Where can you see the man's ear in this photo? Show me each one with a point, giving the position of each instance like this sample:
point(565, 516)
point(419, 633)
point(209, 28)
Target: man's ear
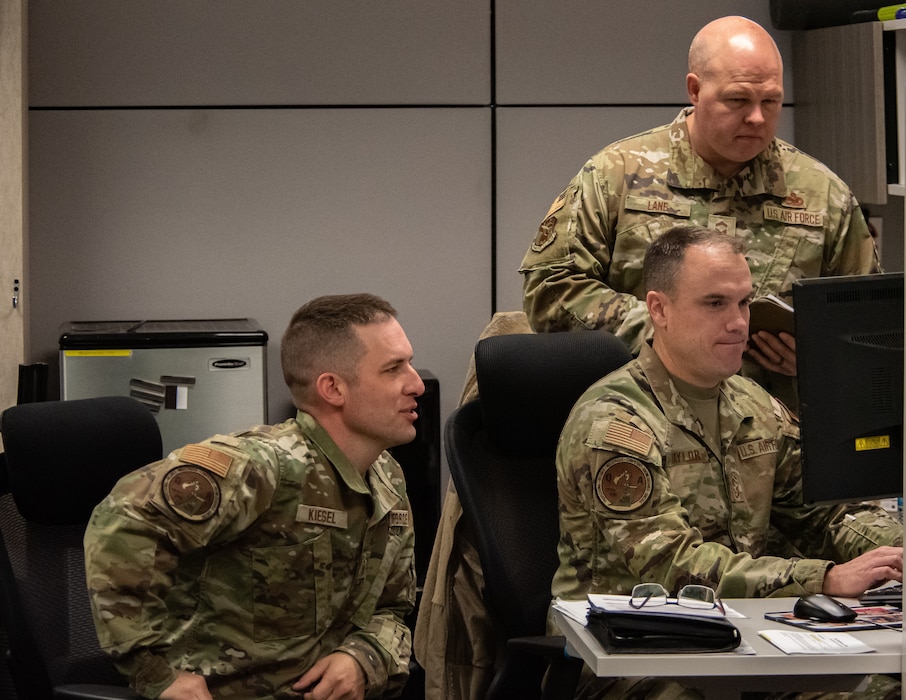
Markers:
point(693, 87)
point(331, 388)
point(657, 303)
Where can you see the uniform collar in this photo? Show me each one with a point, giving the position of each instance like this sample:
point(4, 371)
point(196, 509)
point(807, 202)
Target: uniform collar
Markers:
point(762, 175)
point(675, 407)
point(380, 484)
point(312, 430)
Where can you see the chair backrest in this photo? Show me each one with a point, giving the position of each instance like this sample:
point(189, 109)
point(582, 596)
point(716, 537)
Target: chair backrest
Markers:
point(61, 459)
point(501, 449)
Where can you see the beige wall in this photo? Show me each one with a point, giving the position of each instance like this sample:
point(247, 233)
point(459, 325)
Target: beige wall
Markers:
point(12, 193)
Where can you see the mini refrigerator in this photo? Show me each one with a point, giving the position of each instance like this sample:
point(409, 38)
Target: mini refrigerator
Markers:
point(198, 377)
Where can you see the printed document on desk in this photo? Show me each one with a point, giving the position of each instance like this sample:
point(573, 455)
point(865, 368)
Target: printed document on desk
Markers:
point(815, 642)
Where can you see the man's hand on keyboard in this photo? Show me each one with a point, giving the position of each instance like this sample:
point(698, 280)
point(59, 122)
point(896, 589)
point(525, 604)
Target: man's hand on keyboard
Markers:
point(867, 570)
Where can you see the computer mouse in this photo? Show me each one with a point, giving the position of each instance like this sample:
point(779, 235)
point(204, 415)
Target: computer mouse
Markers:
point(823, 609)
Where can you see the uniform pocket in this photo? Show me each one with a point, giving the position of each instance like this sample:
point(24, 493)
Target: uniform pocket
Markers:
point(292, 587)
point(796, 253)
point(379, 570)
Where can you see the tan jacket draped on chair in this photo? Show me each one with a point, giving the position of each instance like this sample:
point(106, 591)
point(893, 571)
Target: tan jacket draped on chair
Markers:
point(454, 638)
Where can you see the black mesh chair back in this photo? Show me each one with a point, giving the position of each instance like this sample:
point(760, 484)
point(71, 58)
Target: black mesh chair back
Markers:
point(501, 449)
point(61, 459)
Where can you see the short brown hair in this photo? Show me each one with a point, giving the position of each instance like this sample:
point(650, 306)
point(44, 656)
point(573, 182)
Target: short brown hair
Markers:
point(665, 255)
point(321, 338)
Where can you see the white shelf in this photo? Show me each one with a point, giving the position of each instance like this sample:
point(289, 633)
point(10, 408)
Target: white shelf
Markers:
point(896, 190)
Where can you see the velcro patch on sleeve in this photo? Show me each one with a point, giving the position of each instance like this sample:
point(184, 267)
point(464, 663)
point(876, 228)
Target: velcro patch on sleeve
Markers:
point(546, 234)
point(623, 484)
point(611, 433)
point(558, 203)
point(192, 493)
point(208, 458)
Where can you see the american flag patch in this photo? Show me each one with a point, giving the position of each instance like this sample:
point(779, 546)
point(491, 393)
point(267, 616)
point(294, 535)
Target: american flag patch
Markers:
point(211, 459)
point(624, 435)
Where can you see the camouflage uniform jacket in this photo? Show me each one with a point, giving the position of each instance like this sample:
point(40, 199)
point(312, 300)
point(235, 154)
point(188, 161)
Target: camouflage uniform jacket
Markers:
point(248, 557)
point(583, 269)
point(645, 495)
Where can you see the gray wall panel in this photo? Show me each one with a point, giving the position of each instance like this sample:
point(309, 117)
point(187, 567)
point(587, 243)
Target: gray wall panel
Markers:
point(613, 52)
point(226, 213)
point(236, 52)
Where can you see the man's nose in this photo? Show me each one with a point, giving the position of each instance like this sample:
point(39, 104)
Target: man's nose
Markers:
point(416, 385)
point(756, 115)
point(740, 319)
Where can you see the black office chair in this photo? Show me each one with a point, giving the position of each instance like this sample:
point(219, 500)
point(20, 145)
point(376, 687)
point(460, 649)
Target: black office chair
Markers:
point(501, 448)
point(61, 458)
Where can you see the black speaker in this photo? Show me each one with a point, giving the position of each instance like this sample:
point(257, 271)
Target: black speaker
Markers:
point(814, 14)
point(32, 383)
point(420, 460)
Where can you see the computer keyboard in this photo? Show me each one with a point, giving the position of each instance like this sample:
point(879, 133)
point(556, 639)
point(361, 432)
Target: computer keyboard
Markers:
point(891, 594)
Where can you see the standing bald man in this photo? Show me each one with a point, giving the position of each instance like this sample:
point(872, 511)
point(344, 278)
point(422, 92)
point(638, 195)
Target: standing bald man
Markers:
point(719, 165)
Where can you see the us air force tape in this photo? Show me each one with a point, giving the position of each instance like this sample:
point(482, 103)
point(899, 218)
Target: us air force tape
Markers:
point(191, 492)
point(623, 484)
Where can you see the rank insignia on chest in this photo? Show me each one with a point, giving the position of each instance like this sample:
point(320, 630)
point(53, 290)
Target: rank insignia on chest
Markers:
point(724, 224)
point(623, 484)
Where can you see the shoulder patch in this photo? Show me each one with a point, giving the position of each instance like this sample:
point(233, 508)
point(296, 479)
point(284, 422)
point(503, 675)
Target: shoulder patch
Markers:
point(558, 202)
point(191, 492)
point(789, 422)
point(546, 234)
point(611, 432)
point(623, 484)
point(207, 457)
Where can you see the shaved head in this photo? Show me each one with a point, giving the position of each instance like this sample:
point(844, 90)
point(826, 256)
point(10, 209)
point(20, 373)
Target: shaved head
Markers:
point(731, 40)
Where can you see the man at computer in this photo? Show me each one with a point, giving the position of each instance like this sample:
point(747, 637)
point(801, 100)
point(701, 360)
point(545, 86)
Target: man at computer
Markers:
point(676, 470)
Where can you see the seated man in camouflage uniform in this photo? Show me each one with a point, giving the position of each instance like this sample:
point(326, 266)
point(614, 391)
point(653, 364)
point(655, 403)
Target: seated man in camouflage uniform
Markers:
point(676, 470)
point(277, 562)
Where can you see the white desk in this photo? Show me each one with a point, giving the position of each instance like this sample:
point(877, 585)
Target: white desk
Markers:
point(723, 674)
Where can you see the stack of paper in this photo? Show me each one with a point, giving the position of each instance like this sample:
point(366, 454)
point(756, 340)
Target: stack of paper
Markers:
point(815, 642)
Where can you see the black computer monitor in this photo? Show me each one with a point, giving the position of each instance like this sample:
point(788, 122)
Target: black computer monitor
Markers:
point(849, 352)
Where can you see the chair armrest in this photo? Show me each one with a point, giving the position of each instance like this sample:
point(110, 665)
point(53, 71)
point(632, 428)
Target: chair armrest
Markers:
point(550, 647)
point(563, 670)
